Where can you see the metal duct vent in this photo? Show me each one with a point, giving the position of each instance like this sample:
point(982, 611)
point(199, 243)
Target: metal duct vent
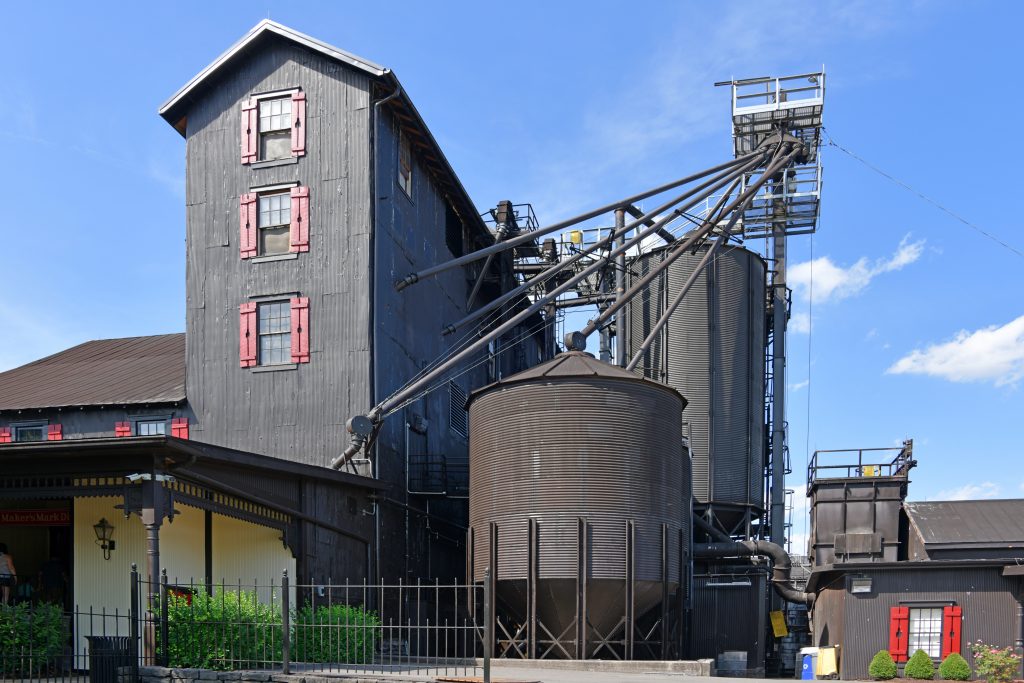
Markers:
point(458, 418)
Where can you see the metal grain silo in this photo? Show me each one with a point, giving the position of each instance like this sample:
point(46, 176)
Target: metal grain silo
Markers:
point(576, 468)
point(713, 351)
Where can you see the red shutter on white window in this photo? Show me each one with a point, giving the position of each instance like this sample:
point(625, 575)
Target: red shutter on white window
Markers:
point(179, 427)
point(122, 429)
point(54, 433)
point(899, 625)
point(5, 435)
point(247, 335)
point(952, 616)
point(299, 232)
point(298, 124)
point(249, 132)
point(300, 330)
point(247, 225)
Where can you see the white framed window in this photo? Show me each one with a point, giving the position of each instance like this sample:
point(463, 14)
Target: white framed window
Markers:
point(27, 432)
point(274, 223)
point(404, 163)
point(273, 320)
point(275, 128)
point(925, 631)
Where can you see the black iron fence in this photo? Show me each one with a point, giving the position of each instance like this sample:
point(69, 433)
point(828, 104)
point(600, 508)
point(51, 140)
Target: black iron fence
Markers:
point(423, 629)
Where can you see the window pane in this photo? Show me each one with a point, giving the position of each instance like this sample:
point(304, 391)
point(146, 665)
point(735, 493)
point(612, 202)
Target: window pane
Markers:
point(277, 145)
point(274, 320)
point(30, 433)
point(151, 428)
point(926, 630)
point(274, 241)
point(275, 114)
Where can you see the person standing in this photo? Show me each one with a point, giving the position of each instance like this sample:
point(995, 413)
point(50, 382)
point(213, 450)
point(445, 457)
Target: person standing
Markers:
point(8, 577)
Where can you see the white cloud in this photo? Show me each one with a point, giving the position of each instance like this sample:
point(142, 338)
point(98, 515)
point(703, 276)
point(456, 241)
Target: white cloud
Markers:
point(986, 489)
point(823, 280)
point(800, 323)
point(991, 353)
point(799, 385)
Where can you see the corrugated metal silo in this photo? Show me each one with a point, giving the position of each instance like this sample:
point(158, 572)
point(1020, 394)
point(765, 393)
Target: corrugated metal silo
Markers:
point(576, 438)
point(713, 351)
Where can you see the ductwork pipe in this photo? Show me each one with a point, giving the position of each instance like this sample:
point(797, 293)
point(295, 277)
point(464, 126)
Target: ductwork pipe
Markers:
point(781, 564)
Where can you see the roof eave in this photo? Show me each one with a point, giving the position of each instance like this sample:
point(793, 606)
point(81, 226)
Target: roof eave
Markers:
point(170, 110)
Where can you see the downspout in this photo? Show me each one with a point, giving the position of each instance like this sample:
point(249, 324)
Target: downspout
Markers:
point(373, 308)
point(781, 564)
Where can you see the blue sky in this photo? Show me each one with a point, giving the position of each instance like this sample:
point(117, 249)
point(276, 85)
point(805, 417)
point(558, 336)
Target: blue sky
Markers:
point(917, 328)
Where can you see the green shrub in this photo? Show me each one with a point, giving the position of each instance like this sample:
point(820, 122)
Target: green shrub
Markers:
point(955, 668)
point(995, 664)
point(882, 667)
point(335, 633)
point(31, 639)
point(919, 667)
point(223, 631)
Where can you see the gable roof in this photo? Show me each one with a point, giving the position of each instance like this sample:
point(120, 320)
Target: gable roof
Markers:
point(175, 109)
point(104, 372)
point(968, 523)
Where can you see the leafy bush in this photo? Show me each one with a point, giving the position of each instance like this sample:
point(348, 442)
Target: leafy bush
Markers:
point(919, 666)
point(31, 639)
point(335, 633)
point(955, 668)
point(995, 664)
point(223, 631)
point(882, 667)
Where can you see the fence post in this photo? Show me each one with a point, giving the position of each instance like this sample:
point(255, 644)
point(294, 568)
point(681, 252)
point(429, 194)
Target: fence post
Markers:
point(165, 650)
point(133, 621)
point(488, 624)
point(286, 637)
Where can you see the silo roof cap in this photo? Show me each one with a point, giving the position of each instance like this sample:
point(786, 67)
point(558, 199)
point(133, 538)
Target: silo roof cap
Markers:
point(572, 364)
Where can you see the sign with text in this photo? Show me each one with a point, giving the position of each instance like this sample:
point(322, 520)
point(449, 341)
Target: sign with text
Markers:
point(35, 517)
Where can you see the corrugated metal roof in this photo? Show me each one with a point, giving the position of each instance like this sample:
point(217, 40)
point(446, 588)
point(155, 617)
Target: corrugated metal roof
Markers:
point(101, 372)
point(573, 364)
point(969, 523)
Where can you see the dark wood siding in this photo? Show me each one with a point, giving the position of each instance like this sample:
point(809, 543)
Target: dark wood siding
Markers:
point(295, 414)
point(411, 235)
point(93, 423)
point(990, 604)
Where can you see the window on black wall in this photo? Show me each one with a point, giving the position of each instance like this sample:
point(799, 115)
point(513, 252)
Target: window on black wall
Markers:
point(925, 631)
point(274, 320)
point(276, 128)
point(453, 231)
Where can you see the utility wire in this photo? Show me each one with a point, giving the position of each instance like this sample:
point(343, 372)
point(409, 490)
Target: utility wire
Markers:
point(972, 226)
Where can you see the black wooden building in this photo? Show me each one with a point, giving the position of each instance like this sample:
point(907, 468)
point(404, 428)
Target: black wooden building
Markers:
point(903, 576)
point(312, 184)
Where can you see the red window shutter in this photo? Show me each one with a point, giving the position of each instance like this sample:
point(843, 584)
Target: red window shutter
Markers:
point(300, 220)
point(122, 429)
point(298, 124)
point(54, 433)
point(5, 435)
point(247, 220)
point(899, 624)
point(951, 618)
point(247, 335)
point(300, 330)
point(249, 132)
point(179, 427)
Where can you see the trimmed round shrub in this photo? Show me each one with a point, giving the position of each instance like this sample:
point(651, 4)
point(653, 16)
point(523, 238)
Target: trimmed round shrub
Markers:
point(882, 667)
point(955, 668)
point(919, 667)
